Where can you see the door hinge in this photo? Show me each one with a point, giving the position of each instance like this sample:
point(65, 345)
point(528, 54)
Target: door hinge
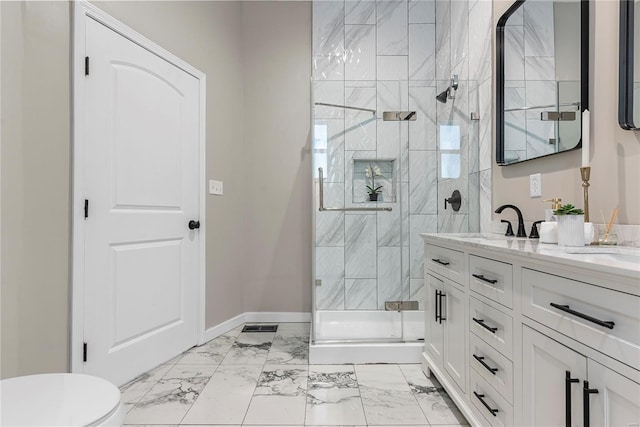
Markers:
point(86, 65)
point(86, 208)
point(84, 352)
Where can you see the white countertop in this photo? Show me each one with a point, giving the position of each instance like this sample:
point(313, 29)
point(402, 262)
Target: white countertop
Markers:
point(619, 260)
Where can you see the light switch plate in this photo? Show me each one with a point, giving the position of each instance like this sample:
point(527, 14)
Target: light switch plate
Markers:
point(535, 185)
point(216, 187)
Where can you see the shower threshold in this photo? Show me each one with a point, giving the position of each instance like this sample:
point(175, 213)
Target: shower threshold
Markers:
point(365, 352)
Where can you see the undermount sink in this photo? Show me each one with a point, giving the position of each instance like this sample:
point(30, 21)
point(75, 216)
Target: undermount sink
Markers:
point(486, 236)
point(619, 254)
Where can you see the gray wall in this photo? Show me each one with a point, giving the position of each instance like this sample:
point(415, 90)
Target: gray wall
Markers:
point(615, 153)
point(35, 180)
point(277, 163)
point(258, 235)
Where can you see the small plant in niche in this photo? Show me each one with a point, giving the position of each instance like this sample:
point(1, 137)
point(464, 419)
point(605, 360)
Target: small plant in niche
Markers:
point(568, 209)
point(373, 171)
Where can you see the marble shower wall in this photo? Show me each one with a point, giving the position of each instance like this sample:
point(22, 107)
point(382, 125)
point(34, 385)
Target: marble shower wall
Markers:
point(395, 56)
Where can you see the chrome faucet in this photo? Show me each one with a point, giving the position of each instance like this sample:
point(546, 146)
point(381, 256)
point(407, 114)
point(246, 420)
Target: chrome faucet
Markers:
point(521, 232)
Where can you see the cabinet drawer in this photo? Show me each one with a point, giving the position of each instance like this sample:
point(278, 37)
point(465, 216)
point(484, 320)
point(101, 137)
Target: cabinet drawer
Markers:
point(446, 262)
point(493, 279)
point(480, 392)
point(580, 311)
point(492, 366)
point(493, 326)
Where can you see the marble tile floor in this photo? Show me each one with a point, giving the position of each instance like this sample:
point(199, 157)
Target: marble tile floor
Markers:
point(264, 378)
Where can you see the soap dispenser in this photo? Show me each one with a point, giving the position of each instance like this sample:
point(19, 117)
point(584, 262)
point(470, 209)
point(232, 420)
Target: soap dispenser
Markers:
point(555, 205)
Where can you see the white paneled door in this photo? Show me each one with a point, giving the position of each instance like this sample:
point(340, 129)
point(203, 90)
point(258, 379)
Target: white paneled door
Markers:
point(141, 177)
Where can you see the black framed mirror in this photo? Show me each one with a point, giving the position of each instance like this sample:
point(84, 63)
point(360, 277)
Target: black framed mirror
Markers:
point(629, 81)
point(542, 78)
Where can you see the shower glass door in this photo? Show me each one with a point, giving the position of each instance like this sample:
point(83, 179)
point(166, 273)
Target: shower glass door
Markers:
point(372, 57)
point(361, 248)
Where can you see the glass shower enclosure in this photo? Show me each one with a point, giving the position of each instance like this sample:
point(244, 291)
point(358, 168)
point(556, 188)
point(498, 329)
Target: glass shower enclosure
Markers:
point(386, 120)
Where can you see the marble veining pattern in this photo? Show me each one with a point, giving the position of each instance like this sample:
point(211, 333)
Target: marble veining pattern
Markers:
point(360, 294)
point(172, 396)
point(397, 55)
point(392, 21)
point(237, 394)
point(432, 398)
point(289, 348)
point(360, 55)
point(422, 11)
point(212, 352)
point(359, 12)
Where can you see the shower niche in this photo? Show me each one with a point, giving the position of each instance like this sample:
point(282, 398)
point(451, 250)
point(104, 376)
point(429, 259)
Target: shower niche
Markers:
point(376, 176)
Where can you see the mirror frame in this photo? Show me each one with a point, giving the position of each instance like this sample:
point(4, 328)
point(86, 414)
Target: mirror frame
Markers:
point(625, 81)
point(584, 76)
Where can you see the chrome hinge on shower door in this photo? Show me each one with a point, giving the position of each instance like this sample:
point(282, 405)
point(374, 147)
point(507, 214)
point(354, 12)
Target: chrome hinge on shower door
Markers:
point(400, 305)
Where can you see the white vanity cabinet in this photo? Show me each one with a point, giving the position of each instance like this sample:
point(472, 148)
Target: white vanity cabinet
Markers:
point(560, 383)
point(522, 333)
point(445, 320)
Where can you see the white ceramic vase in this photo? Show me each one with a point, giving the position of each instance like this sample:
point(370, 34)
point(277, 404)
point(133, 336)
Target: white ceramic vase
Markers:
point(570, 230)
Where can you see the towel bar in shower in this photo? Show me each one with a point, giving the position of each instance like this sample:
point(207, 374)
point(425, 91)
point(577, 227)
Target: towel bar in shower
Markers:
point(322, 208)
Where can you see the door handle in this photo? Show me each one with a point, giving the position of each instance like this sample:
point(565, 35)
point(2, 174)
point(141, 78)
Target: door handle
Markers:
point(439, 261)
point(442, 295)
point(436, 303)
point(567, 396)
point(194, 224)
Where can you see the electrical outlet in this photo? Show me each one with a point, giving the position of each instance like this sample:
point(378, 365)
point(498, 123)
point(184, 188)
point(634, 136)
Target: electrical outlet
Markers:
point(216, 187)
point(535, 185)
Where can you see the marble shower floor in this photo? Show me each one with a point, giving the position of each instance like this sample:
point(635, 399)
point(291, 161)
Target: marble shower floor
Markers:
point(262, 378)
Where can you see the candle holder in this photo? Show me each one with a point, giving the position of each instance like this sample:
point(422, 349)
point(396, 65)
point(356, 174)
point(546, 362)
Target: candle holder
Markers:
point(585, 173)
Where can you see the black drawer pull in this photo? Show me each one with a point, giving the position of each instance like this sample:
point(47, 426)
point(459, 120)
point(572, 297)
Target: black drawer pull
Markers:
point(486, 405)
point(484, 325)
point(442, 295)
point(567, 309)
point(567, 396)
point(440, 262)
point(586, 392)
point(484, 279)
point(483, 363)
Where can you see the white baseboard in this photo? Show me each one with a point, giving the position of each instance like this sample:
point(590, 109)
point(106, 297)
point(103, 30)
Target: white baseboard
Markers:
point(262, 317)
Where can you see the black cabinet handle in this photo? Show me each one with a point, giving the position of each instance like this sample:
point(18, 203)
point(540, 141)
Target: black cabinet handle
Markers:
point(442, 295)
point(484, 325)
point(486, 405)
point(567, 309)
point(484, 279)
point(483, 363)
point(585, 402)
point(436, 299)
point(439, 261)
point(567, 396)
point(194, 224)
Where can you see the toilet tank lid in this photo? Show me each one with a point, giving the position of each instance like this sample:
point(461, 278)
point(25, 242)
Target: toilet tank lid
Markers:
point(56, 400)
